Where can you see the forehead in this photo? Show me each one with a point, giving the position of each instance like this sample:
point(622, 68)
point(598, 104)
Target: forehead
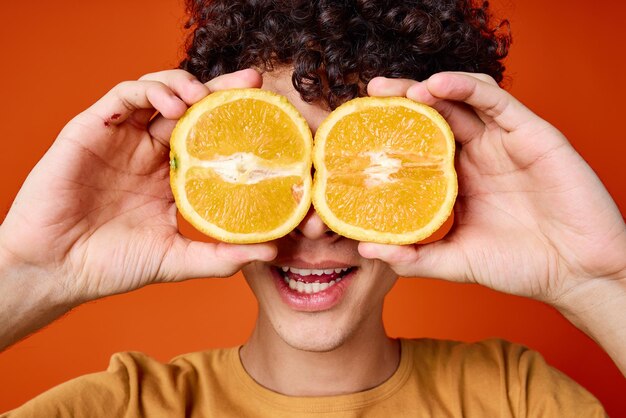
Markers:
point(279, 81)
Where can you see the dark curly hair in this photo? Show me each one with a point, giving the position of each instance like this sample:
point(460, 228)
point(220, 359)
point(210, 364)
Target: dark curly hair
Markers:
point(337, 46)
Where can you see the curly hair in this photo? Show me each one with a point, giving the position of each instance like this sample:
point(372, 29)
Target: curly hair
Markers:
point(337, 46)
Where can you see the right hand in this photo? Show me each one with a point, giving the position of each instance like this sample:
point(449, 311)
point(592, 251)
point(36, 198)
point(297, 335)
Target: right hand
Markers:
point(96, 216)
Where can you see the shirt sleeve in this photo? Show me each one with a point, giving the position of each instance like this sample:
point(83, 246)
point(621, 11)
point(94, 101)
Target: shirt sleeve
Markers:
point(495, 377)
point(538, 390)
point(133, 385)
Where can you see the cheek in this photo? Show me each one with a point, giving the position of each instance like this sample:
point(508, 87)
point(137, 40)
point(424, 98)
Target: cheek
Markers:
point(376, 281)
point(256, 276)
point(382, 277)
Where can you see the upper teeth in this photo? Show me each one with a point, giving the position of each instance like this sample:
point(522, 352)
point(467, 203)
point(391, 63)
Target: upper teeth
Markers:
point(302, 287)
point(315, 272)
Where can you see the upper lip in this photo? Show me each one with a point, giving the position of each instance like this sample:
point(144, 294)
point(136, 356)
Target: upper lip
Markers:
point(320, 265)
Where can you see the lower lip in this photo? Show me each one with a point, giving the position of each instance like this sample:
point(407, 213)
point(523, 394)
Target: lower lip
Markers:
point(312, 302)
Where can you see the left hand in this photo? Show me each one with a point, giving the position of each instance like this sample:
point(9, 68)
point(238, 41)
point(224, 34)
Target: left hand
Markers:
point(531, 217)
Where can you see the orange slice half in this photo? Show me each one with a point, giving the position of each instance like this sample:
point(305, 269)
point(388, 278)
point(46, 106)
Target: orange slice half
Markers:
point(240, 166)
point(384, 170)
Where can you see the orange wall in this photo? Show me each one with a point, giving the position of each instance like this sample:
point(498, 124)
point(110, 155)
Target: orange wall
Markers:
point(567, 63)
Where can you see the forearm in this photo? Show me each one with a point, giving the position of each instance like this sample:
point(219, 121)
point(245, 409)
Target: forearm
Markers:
point(28, 300)
point(599, 310)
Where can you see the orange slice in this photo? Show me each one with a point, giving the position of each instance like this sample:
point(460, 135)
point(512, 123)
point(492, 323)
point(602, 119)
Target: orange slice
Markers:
point(384, 170)
point(240, 166)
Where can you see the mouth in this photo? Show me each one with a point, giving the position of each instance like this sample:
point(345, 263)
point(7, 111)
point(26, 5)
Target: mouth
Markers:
point(312, 289)
point(311, 281)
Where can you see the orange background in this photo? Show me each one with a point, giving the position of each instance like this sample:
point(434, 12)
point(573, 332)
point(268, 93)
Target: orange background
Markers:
point(567, 63)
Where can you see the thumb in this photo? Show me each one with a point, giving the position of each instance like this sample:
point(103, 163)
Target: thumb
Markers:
point(187, 259)
point(441, 259)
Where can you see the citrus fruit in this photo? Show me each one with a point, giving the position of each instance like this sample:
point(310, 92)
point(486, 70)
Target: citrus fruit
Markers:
point(240, 165)
point(384, 170)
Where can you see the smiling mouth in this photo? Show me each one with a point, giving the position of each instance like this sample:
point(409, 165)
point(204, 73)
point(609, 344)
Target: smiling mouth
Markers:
point(311, 281)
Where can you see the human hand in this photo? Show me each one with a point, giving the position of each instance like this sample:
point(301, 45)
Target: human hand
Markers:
point(531, 217)
point(96, 216)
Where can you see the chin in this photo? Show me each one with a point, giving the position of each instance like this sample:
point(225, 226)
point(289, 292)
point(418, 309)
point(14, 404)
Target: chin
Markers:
point(315, 338)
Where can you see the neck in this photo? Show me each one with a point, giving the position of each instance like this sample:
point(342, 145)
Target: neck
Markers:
point(365, 360)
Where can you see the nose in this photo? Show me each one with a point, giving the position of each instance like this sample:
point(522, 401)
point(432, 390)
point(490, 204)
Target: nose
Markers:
point(313, 227)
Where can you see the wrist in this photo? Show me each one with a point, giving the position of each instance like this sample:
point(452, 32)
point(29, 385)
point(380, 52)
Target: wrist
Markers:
point(591, 295)
point(29, 298)
point(598, 308)
point(43, 282)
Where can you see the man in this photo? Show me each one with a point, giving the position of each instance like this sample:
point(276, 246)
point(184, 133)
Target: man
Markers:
point(105, 224)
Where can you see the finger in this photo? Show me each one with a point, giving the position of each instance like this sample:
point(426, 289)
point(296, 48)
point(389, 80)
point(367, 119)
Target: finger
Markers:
point(161, 128)
point(441, 259)
point(463, 121)
point(130, 96)
point(478, 92)
point(185, 85)
point(389, 87)
point(479, 76)
point(469, 122)
point(248, 78)
point(192, 259)
point(168, 92)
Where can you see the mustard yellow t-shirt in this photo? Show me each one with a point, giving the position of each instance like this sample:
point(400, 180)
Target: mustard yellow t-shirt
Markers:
point(434, 379)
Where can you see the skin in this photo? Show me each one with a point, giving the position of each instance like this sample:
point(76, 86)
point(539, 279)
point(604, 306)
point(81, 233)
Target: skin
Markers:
point(96, 215)
point(320, 345)
point(532, 219)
